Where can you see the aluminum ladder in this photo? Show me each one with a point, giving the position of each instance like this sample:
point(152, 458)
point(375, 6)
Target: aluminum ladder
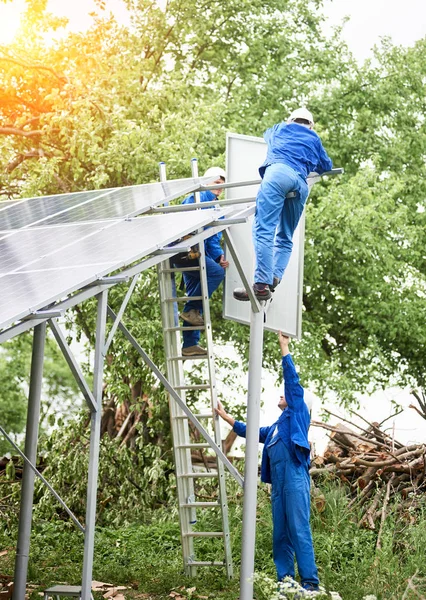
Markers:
point(182, 443)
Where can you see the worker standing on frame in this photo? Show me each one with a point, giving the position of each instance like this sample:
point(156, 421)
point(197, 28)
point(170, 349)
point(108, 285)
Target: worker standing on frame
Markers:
point(192, 313)
point(285, 464)
point(294, 150)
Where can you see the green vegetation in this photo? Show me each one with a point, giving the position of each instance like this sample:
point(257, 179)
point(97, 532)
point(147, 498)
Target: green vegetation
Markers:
point(101, 109)
point(146, 555)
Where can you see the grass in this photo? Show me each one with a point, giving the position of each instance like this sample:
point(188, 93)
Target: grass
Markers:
point(147, 557)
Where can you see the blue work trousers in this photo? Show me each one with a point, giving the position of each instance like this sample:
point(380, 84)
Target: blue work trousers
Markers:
point(275, 220)
point(215, 275)
point(290, 515)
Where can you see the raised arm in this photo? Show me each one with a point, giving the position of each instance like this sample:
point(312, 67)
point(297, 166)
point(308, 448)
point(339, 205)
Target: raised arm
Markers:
point(294, 392)
point(238, 426)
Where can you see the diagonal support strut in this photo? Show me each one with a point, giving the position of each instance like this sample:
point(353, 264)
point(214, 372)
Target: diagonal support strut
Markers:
point(233, 471)
point(43, 479)
point(73, 365)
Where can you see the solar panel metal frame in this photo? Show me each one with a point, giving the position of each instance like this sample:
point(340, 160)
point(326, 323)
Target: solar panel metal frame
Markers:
point(182, 187)
point(88, 288)
point(170, 190)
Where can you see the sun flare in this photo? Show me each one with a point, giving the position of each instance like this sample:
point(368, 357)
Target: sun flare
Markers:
point(10, 19)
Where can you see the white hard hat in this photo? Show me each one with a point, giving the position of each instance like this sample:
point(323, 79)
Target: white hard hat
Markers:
point(215, 172)
point(301, 113)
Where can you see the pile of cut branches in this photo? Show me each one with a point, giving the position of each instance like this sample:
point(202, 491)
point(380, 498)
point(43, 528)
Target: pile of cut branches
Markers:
point(376, 467)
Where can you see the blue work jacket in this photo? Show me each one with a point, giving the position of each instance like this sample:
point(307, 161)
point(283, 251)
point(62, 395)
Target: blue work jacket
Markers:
point(212, 246)
point(299, 418)
point(296, 146)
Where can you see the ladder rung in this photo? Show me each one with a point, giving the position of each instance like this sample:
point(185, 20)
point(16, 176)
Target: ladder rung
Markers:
point(200, 505)
point(180, 269)
point(182, 298)
point(200, 416)
point(196, 357)
point(192, 328)
point(201, 474)
point(193, 446)
point(204, 534)
point(205, 563)
point(198, 386)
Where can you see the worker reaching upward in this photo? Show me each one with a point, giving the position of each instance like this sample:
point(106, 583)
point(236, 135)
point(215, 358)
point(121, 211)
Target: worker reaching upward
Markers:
point(294, 150)
point(285, 464)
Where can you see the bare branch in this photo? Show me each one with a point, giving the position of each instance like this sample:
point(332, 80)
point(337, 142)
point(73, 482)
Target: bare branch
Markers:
point(15, 131)
point(11, 166)
point(383, 517)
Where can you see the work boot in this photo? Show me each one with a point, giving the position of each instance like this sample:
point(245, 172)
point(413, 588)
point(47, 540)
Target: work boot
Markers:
point(194, 351)
point(241, 294)
point(261, 291)
point(275, 283)
point(310, 587)
point(193, 317)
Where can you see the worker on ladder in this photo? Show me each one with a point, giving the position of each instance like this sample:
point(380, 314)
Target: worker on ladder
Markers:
point(192, 313)
point(285, 464)
point(294, 150)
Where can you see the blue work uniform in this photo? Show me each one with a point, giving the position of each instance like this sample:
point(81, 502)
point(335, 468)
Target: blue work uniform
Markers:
point(215, 274)
point(285, 464)
point(293, 152)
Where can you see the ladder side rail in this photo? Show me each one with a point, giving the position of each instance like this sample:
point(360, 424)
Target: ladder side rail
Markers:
point(213, 396)
point(179, 426)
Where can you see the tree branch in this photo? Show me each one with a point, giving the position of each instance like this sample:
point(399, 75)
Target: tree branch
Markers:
point(422, 403)
point(160, 55)
point(11, 166)
point(64, 187)
point(383, 517)
point(25, 65)
point(15, 131)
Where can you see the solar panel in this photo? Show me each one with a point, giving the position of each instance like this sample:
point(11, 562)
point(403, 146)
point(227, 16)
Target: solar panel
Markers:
point(43, 264)
point(4, 203)
point(94, 205)
point(20, 250)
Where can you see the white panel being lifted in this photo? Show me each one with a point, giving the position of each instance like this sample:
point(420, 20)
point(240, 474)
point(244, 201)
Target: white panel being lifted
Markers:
point(244, 155)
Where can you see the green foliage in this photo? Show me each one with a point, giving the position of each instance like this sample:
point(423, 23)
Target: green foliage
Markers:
point(362, 241)
point(102, 108)
point(115, 100)
point(146, 555)
point(130, 481)
point(59, 387)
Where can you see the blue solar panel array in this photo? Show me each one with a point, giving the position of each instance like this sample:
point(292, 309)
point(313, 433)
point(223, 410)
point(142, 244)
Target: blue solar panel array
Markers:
point(52, 246)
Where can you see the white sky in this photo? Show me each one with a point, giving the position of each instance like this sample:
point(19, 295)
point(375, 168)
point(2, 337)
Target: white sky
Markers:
point(403, 20)
point(408, 427)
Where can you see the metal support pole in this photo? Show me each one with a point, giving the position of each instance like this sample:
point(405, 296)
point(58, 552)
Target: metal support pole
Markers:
point(251, 455)
point(31, 438)
point(95, 430)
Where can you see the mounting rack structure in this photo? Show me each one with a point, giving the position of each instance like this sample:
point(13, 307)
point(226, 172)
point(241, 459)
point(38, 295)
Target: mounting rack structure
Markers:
point(56, 253)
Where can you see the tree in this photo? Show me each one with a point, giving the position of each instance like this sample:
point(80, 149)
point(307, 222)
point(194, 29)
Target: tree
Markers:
point(59, 388)
point(365, 260)
point(102, 108)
